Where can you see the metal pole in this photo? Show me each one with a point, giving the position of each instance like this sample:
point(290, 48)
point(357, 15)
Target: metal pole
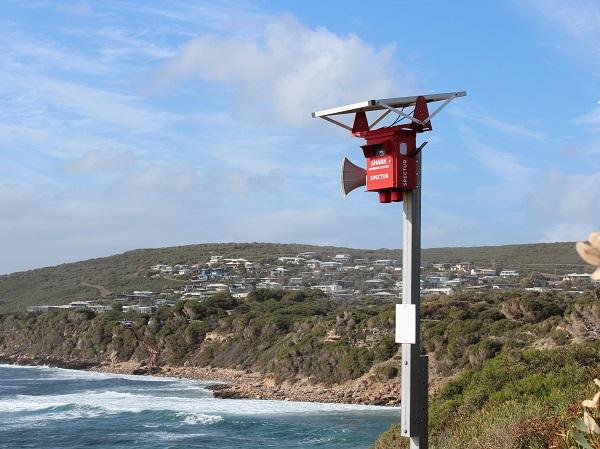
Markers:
point(414, 366)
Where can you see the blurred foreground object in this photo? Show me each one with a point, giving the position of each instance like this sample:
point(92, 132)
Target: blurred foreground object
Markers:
point(590, 252)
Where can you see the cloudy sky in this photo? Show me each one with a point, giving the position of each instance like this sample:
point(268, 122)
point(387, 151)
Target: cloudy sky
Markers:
point(128, 124)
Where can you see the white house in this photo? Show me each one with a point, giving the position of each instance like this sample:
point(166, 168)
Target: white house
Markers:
point(330, 265)
point(342, 258)
point(463, 266)
point(384, 263)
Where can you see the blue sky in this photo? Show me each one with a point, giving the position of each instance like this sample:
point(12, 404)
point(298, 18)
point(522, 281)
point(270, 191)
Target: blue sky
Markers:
point(127, 124)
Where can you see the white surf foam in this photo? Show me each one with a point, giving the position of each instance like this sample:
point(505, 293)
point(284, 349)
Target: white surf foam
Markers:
point(144, 400)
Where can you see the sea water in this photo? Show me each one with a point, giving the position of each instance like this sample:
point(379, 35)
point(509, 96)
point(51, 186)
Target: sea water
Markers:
point(50, 408)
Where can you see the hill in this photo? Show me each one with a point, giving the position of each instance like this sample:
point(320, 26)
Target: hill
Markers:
point(125, 272)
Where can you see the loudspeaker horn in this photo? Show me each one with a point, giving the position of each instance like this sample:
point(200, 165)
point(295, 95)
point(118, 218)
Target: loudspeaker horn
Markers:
point(353, 176)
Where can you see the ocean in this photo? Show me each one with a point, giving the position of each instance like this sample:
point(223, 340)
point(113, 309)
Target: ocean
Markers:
point(48, 408)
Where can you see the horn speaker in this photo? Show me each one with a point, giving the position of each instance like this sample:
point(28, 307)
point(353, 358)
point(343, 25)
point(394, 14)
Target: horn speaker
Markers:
point(353, 176)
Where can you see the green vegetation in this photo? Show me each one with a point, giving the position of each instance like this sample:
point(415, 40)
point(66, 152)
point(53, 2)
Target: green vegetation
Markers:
point(127, 271)
point(519, 362)
point(284, 333)
point(524, 386)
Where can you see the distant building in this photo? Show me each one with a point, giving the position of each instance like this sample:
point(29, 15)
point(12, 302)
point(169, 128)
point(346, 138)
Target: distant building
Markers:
point(441, 266)
point(436, 281)
point(38, 309)
point(268, 284)
point(279, 272)
point(384, 295)
point(291, 260)
point(329, 265)
point(100, 308)
point(508, 273)
point(436, 291)
point(575, 277)
point(375, 284)
point(342, 258)
point(214, 261)
point(79, 305)
point(463, 266)
point(388, 263)
point(483, 272)
point(216, 288)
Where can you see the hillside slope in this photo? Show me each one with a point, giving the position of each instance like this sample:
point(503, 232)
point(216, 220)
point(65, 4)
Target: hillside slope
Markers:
point(125, 272)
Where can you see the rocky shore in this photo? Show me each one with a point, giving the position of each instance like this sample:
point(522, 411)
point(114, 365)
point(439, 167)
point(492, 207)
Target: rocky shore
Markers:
point(243, 384)
point(240, 384)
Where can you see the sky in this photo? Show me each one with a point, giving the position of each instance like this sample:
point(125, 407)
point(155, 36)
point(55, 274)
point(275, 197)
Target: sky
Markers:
point(136, 124)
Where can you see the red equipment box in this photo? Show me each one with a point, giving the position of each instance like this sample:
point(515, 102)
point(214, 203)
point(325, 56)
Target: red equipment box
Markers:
point(391, 162)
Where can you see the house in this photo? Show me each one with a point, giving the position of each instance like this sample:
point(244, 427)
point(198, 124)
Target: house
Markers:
point(279, 272)
point(436, 291)
point(144, 309)
point(141, 295)
point(436, 281)
point(577, 277)
point(38, 309)
point(100, 308)
point(313, 264)
point(386, 263)
point(342, 258)
point(503, 286)
point(454, 283)
point(268, 284)
point(330, 265)
point(291, 260)
point(158, 267)
point(331, 289)
point(79, 305)
point(383, 295)
point(508, 274)
point(214, 261)
point(307, 254)
point(441, 266)
point(235, 263)
point(374, 284)
point(463, 266)
point(215, 288)
point(213, 274)
point(483, 272)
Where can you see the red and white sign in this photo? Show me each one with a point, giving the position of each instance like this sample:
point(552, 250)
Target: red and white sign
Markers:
point(380, 172)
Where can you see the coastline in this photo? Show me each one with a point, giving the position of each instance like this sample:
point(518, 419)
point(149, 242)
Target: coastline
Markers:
point(243, 384)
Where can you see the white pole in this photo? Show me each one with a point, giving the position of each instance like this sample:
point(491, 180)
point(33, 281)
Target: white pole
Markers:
point(414, 366)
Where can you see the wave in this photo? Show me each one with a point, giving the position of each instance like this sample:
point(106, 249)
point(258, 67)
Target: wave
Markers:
point(122, 402)
point(168, 436)
point(65, 373)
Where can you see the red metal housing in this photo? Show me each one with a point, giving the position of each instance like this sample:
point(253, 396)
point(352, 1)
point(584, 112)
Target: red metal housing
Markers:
point(391, 162)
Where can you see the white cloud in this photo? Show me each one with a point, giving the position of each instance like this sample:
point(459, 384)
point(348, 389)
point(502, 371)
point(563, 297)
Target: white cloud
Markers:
point(161, 178)
point(568, 232)
point(99, 161)
point(480, 115)
point(503, 163)
point(77, 8)
point(578, 19)
point(591, 119)
point(567, 205)
point(291, 69)
point(108, 107)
